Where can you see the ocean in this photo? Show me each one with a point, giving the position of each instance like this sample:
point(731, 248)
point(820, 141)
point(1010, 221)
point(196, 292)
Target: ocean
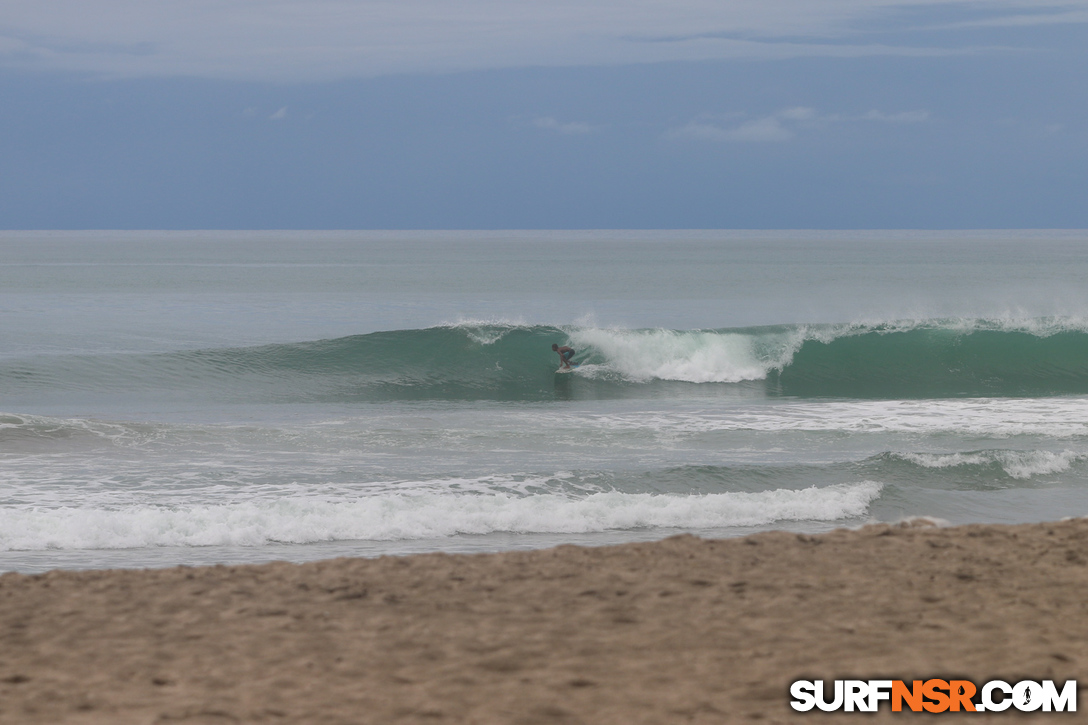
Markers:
point(232, 397)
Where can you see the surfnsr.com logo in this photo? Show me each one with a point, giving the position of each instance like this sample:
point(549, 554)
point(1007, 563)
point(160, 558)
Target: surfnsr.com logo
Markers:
point(934, 696)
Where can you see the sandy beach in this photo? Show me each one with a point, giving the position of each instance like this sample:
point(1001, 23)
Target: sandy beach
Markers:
point(677, 631)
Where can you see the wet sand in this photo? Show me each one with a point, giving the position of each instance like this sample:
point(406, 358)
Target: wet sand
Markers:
point(683, 630)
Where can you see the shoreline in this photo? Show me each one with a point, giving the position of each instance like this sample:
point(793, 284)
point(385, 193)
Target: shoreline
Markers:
point(677, 630)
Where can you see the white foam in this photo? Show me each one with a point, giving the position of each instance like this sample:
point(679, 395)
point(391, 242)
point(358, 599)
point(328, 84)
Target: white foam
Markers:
point(486, 331)
point(1017, 464)
point(1037, 326)
point(714, 356)
point(982, 417)
point(396, 516)
point(1008, 322)
point(694, 356)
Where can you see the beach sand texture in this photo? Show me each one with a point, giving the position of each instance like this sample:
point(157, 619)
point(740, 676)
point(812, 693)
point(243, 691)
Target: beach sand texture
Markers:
point(677, 631)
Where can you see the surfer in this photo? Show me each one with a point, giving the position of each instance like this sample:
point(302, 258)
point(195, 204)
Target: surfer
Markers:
point(565, 354)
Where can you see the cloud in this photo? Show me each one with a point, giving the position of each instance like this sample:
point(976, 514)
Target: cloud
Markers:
point(10, 46)
point(762, 130)
point(280, 114)
point(799, 113)
point(570, 129)
point(293, 40)
point(781, 126)
point(769, 129)
point(901, 117)
point(1047, 15)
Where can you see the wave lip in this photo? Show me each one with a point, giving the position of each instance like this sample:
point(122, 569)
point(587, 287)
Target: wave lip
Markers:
point(399, 517)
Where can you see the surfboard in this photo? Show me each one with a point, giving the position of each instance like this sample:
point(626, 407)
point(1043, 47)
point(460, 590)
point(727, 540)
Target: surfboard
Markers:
point(571, 369)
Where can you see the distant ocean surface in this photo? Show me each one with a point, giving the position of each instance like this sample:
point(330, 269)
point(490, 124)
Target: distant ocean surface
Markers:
point(201, 397)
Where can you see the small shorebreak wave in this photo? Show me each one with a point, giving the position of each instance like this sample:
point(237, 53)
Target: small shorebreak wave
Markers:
point(390, 517)
point(470, 361)
point(1020, 465)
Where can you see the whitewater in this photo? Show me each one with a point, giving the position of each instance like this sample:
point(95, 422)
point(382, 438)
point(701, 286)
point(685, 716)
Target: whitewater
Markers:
point(202, 397)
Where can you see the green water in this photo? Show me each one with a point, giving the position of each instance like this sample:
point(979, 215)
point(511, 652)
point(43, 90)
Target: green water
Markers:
point(206, 396)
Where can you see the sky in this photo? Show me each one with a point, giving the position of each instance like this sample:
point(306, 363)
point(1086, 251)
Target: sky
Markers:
point(552, 114)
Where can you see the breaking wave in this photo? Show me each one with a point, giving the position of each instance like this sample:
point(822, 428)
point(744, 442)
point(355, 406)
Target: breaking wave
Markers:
point(499, 361)
point(395, 517)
